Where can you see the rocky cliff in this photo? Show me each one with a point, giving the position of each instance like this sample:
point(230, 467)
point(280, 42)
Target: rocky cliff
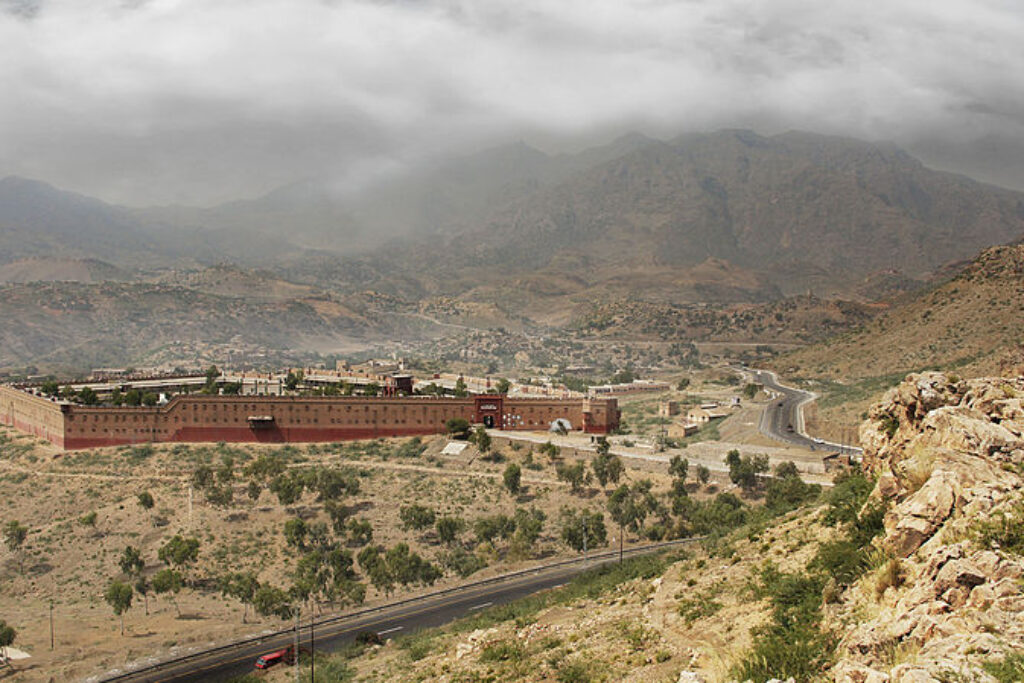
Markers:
point(949, 455)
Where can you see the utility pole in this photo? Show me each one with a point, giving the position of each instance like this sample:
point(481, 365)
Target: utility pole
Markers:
point(51, 623)
point(584, 538)
point(295, 654)
point(312, 649)
point(622, 533)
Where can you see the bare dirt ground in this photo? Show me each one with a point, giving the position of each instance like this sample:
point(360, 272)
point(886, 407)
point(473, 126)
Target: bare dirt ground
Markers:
point(70, 559)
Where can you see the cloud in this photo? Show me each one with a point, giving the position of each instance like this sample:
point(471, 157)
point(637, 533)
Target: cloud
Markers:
point(208, 100)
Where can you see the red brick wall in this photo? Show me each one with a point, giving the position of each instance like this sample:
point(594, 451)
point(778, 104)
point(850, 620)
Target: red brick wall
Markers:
point(298, 419)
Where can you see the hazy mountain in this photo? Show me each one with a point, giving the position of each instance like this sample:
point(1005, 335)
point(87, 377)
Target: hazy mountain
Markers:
point(803, 209)
point(38, 220)
point(62, 270)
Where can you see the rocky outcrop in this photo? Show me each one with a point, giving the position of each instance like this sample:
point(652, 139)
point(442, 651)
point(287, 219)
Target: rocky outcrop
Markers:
point(948, 454)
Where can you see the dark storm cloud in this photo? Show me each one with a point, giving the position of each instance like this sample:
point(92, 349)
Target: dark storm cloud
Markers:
point(202, 100)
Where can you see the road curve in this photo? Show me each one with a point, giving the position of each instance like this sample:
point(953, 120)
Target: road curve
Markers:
point(783, 418)
point(403, 617)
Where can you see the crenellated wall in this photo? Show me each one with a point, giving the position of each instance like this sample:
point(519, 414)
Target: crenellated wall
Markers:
point(274, 419)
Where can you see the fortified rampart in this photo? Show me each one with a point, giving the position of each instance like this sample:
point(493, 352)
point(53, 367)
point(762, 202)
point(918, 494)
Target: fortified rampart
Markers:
point(283, 419)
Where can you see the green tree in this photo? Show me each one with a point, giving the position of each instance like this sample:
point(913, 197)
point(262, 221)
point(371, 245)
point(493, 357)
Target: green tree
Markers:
point(7, 638)
point(502, 385)
point(703, 474)
point(231, 389)
point(679, 467)
point(133, 397)
point(15, 534)
point(576, 475)
point(119, 597)
point(142, 587)
point(744, 471)
point(287, 487)
point(131, 562)
point(179, 552)
point(607, 468)
point(295, 532)
point(170, 582)
point(241, 586)
point(149, 399)
point(147, 503)
point(449, 528)
point(482, 439)
point(457, 427)
point(212, 373)
point(50, 388)
point(460, 388)
point(88, 396)
point(416, 517)
point(513, 478)
point(272, 601)
point(202, 477)
point(750, 391)
point(551, 450)
point(360, 532)
point(577, 525)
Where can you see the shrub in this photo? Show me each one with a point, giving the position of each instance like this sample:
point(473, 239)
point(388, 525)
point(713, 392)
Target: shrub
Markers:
point(1002, 528)
point(1007, 670)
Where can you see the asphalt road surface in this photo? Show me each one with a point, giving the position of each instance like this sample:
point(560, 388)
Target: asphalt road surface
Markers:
point(783, 417)
point(387, 622)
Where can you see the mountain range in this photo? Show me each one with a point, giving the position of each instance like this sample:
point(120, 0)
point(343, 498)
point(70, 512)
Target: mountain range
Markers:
point(731, 219)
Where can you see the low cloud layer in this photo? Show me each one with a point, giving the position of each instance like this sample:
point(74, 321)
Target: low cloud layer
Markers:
point(199, 101)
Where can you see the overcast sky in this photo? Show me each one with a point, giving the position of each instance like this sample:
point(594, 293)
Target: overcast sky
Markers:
point(199, 101)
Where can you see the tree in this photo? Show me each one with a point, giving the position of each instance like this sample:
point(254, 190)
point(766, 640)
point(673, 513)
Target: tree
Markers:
point(502, 385)
point(683, 384)
point(119, 597)
point(272, 601)
point(744, 471)
point(88, 396)
point(241, 586)
point(703, 474)
point(482, 439)
point(292, 379)
point(491, 527)
point(360, 532)
point(202, 477)
point(551, 450)
point(147, 503)
point(607, 468)
point(338, 514)
point(416, 517)
point(457, 427)
point(575, 475)
point(142, 588)
point(679, 467)
point(460, 388)
point(513, 478)
point(15, 534)
point(50, 388)
point(212, 373)
point(750, 391)
point(7, 637)
point(629, 506)
point(448, 529)
point(295, 531)
point(149, 399)
point(133, 397)
point(583, 524)
point(253, 490)
point(179, 552)
point(131, 562)
point(170, 582)
point(287, 487)
point(231, 389)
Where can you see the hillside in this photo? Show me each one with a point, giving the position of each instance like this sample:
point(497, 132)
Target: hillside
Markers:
point(910, 574)
point(973, 322)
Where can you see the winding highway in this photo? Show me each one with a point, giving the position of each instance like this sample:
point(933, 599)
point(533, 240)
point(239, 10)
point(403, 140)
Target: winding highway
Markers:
point(235, 659)
point(783, 418)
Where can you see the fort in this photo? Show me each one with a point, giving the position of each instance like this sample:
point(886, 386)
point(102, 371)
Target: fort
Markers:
point(288, 419)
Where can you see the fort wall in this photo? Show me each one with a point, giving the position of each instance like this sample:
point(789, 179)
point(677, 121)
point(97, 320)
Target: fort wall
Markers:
point(276, 419)
point(33, 414)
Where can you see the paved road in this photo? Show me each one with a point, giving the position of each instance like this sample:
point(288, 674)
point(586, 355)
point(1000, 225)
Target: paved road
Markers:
point(388, 621)
point(783, 418)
